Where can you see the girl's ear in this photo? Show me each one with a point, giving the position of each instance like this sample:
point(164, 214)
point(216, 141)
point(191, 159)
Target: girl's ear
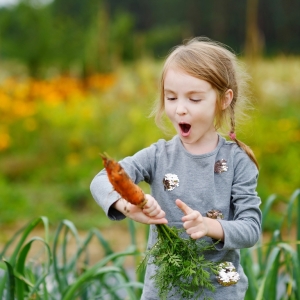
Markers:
point(227, 99)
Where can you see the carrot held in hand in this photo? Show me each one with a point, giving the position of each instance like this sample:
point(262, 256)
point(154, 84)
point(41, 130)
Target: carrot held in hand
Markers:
point(122, 183)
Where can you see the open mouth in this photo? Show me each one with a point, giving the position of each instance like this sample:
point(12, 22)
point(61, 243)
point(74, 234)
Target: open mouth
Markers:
point(185, 128)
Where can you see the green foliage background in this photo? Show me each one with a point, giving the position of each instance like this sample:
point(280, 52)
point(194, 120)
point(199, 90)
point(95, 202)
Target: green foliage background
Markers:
point(48, 167)
point(49, 144)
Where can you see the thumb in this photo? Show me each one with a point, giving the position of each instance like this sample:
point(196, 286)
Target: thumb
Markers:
point(186, 209)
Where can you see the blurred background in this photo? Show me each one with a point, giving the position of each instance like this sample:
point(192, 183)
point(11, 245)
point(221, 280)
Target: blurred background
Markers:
point(79, 77)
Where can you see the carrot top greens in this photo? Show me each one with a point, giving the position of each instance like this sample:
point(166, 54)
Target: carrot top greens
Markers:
point(181, 265)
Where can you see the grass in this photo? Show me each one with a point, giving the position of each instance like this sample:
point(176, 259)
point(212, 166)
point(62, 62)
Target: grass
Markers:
point(52, 272)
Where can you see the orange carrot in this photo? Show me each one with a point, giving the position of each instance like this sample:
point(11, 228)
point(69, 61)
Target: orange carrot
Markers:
point(122, 183)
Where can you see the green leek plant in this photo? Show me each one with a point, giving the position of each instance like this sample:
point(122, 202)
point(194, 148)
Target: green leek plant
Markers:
point(273, 268)
point(55, 274)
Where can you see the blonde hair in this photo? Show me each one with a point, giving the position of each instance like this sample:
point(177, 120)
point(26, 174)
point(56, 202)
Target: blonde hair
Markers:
point(215, 63)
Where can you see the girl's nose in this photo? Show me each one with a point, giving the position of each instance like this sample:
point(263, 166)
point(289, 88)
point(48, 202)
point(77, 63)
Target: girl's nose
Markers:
point(181, 109)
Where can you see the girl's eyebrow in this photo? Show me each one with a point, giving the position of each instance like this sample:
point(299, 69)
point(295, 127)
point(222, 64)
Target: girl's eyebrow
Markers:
point(168, 90)
point(196, 92)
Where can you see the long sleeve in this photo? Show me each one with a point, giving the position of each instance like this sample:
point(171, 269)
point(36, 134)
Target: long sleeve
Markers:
point(104, 194)
point(244, 229)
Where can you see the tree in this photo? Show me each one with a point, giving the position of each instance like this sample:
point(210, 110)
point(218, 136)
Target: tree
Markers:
point(26, 35)
point(254, 42)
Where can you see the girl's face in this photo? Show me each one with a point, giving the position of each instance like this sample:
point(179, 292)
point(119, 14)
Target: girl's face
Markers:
point(190, 104)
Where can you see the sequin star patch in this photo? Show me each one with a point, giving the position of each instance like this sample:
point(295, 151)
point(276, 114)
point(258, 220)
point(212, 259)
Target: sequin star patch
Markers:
point(221, 166)
point(215, 214)
point(227, 274)
point(170, 181)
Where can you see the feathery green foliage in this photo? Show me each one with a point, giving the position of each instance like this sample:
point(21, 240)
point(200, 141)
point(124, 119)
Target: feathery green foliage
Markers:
point(181, 264)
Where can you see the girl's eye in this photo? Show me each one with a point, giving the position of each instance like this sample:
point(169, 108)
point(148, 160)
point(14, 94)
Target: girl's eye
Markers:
point(171, 98)
point(195, 100)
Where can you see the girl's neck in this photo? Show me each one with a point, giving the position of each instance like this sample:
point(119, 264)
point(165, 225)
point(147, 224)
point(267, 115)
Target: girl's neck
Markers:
point(205, 145)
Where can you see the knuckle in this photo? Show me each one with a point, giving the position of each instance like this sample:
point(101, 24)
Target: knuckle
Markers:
point(197, 213)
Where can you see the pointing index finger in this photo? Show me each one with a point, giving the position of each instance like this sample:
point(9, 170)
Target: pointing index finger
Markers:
point(186, 209)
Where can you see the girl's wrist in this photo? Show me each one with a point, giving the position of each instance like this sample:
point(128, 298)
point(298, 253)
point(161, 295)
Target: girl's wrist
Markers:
point(214, 229)
point(120, 205)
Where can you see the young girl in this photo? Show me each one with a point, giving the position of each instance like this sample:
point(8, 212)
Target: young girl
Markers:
point(199, 181)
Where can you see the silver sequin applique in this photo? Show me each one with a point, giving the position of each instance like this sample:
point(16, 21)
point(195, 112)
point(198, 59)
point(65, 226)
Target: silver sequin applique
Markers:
point(221, 166)
point(170, 181)
point(227, 274)
point(215, 214)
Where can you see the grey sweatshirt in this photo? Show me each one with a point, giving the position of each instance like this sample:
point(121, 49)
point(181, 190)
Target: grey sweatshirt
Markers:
point(224, 179)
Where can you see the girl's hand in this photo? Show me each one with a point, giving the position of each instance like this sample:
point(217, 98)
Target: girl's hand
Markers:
point(197, 226)
point(193, 222)
point(151, 213)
